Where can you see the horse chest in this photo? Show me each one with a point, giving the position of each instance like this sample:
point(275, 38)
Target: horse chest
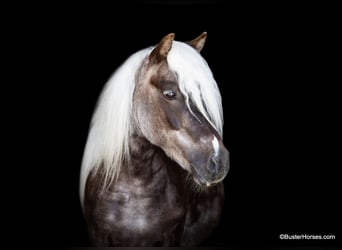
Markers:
point(203, 215)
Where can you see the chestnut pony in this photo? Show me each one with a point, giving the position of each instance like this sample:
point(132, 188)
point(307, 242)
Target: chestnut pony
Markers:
point(154, 160)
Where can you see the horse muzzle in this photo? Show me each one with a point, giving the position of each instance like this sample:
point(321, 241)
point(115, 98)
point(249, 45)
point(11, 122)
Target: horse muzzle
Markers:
point(214, 171)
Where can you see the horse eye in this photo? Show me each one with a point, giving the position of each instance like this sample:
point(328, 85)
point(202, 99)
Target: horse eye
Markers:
point(169, 94)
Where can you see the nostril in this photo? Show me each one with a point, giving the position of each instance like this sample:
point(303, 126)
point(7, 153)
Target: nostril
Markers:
point(213, 166)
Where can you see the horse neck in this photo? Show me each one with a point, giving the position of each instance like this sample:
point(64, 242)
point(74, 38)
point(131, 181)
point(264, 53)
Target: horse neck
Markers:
point(150, 167)
point(142, 154)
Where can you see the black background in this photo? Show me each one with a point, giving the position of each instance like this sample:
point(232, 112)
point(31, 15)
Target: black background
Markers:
point(273, 68)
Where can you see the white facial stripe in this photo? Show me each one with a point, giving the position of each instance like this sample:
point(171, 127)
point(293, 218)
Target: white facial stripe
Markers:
point(215, 146)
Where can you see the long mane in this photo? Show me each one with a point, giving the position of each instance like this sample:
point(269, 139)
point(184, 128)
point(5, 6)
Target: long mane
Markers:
point(111, 126)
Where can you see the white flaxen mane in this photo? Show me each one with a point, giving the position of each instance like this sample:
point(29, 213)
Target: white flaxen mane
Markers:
point(111, 128)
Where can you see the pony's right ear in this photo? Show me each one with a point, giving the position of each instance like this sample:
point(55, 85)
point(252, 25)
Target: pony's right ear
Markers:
point(198, 42)
point(160, 52)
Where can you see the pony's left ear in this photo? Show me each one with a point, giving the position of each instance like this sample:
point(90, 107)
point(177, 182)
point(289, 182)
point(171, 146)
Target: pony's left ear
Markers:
point(198, 42)
point(160, 52)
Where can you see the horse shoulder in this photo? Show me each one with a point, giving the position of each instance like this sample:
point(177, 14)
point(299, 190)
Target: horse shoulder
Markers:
point(128, 215)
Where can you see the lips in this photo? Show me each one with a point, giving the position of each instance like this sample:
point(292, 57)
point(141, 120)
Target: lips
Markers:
point(200, 180)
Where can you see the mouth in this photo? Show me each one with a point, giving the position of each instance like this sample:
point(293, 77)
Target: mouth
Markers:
point(201, 181)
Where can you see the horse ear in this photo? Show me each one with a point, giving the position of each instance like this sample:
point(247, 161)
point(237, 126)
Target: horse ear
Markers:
point(198, 42)
point(161, 51)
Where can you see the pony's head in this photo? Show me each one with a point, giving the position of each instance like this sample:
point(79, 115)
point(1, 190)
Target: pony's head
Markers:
point(168, 95)
point(177, 107)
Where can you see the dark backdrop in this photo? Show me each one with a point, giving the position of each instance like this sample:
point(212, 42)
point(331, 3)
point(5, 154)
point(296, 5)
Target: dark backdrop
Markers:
point(279, 111)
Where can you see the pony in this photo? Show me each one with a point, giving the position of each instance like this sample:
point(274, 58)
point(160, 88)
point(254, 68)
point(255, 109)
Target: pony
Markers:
point(154, 161)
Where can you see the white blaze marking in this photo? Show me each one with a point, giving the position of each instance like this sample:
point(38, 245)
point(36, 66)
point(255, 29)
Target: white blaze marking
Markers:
point(215, 146)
